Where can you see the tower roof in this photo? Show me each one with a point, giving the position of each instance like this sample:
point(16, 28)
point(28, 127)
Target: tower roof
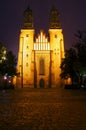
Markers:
point(28, 19)
point(54, 18)
point(27, 10)
point(53, 9)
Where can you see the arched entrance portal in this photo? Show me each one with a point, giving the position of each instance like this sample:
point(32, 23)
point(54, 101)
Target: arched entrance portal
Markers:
point(42, 83)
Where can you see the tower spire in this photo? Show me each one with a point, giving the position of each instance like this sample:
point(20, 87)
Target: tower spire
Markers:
point(28, 19)
point(54, 18)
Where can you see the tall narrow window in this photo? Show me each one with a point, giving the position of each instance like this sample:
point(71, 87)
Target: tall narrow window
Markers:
point(27, 35)
point(41, 67)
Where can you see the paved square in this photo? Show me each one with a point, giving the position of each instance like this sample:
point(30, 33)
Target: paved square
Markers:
point(43, 109)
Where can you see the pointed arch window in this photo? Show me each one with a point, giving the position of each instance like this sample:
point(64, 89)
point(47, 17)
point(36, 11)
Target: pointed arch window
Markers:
point(55, 35)
point(27, 35)
point(41, 67)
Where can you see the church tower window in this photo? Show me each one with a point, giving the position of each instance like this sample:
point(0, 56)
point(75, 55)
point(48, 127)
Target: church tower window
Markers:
point(41, 67)
point(27, 55)
point(27, 47)
point(27, 35)
point(26, 64)
point(55, 35)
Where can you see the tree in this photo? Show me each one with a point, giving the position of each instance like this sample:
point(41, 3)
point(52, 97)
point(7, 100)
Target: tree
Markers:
point(81, 48)
point(7, 68)
point(68, 65)
point(74, 63)
point(10, 64)
point(2, 57)
point(2, 52)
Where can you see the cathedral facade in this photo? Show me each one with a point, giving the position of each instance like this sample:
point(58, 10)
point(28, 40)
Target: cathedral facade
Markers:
point(39, 58)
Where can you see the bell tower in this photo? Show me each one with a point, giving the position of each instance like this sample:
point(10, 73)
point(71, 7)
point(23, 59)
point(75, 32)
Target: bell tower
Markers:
point(28, 19)
point(54, 19)
point(26, 44)
point(56, 45)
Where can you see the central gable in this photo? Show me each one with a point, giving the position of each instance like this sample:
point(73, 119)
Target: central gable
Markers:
point(41, 42)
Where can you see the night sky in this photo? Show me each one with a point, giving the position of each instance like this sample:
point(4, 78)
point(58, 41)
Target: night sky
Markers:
point(72, 18)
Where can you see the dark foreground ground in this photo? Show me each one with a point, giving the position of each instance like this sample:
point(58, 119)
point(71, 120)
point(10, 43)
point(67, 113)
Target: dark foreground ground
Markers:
point(43, 109)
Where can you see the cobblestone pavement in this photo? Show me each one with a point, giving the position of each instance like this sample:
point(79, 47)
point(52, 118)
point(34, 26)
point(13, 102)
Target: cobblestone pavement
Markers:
point(43, 109)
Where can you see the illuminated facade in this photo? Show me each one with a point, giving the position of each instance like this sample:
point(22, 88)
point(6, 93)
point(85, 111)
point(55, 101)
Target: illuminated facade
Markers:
point(39, 58)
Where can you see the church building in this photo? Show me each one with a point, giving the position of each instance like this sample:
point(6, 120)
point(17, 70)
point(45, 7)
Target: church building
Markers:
point(39, 57)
